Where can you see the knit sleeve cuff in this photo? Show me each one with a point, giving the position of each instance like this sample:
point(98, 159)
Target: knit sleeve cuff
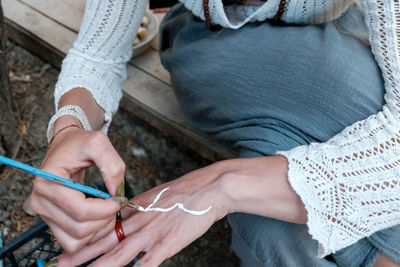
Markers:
point(318, 223)
point(100, 81)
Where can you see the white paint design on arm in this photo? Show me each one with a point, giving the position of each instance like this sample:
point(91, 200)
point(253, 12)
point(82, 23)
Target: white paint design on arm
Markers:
point(179, 205)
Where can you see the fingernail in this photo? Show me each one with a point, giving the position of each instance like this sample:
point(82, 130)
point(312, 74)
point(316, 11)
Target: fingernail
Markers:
point(120, 192)
point(122, 201)
point(52, 263)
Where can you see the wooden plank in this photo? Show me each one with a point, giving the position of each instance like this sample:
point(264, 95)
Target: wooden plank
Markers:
point(65, 12)
point(34, 44)
point(44, 28)
point(154, 93)
point(150, 62)
point(77, 4)
point(148, 96)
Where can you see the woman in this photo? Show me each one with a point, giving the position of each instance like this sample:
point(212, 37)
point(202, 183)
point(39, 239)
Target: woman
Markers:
point(302, 105)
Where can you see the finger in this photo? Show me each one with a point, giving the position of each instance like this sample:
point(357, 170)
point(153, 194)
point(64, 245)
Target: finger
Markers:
point(125, 251)
point(98, 246)
point(106, 230)
point(72, 202)
point(76, 229)
point(69, 244)
point(91, 251)
point(157, 254)
point(106, 158)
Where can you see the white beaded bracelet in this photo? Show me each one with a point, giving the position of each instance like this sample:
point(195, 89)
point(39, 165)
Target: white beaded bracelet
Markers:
point(69, 110)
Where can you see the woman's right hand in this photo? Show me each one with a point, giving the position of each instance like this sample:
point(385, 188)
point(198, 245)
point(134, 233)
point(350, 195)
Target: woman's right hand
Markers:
point(74, 219)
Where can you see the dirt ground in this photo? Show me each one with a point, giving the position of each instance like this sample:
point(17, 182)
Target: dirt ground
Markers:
point(151, 159)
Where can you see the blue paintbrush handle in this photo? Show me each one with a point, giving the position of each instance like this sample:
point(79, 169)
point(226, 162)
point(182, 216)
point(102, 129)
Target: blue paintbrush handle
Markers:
point(49, 176)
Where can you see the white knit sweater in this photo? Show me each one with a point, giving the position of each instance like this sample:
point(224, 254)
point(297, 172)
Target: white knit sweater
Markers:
point(350, 185)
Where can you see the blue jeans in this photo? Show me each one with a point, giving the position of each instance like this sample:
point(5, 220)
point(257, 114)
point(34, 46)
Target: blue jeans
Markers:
point(264, 88)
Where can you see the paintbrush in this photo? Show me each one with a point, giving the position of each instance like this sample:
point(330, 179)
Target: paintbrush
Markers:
point(60, 180)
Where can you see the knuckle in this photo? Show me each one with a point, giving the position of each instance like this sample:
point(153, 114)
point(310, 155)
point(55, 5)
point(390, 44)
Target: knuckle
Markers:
point(122, 165)
point(39, 186)
point(34, 204)
point(80, 215)
point(81, 232)
point(117, 168)
point(71, 247)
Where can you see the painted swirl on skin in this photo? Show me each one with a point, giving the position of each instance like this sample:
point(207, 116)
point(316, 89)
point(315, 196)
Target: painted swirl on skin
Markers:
point(176, 205)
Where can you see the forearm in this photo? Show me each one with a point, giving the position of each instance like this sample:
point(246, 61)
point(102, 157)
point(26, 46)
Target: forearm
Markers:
point(84, 99)
point(260, 186)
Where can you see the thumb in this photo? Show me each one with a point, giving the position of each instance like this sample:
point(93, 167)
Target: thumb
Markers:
point(112, 168)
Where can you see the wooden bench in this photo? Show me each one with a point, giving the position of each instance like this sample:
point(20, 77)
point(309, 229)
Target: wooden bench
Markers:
point(48, 29)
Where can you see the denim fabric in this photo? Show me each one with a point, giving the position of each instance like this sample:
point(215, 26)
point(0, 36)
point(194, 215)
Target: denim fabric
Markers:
point(264, 88)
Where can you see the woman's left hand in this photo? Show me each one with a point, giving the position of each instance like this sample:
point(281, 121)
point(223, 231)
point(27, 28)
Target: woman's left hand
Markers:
point(160, 235)
point(228, 186)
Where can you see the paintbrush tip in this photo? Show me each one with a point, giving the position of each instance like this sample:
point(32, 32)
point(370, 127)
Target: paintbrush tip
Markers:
point(131, 205)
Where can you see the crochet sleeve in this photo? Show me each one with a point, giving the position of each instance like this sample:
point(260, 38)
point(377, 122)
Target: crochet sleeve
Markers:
point(350, 185)
point(97, 60)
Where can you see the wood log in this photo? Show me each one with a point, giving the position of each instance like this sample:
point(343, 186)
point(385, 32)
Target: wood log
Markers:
point(8, 131)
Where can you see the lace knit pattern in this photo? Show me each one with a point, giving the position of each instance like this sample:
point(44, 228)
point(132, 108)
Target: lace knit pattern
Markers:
point(350, 185)
point(104, 45)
